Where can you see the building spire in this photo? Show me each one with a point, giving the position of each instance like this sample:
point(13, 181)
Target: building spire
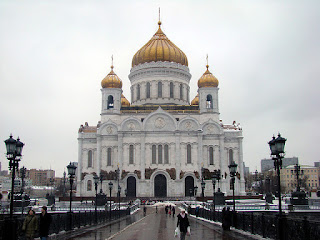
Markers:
point(112, 61)
point(159, 22)
point(207, 63)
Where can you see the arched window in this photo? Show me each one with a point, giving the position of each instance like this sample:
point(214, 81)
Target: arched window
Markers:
point(109, 157)
point(211, 155)
point(230, 156)
point(171, 90)
point(110, 102)
point(188, 153)
point(181, 92)
point(166, 154)
point(148, 90)
point(154, 154)
point(159, 89)
point(89, 158)
point(138, 92)
point(131, 153)
point(89, 185)
point(160, 154)
point(209, 101)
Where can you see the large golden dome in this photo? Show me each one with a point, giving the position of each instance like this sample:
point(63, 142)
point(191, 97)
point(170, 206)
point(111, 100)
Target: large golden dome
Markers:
point(195, 101)
point(111, 80)
point(159, 48)
point(208, 80)
point(124, 101)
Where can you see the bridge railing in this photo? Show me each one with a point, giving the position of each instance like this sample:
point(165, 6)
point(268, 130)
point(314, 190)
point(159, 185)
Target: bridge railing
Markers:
point(61, 220)
point(264, 224)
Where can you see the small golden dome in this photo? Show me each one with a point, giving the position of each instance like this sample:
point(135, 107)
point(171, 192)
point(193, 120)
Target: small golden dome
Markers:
point(159, 48)
point(124, 101)
point(195, 101)
point(208, 80)
point(111, 80)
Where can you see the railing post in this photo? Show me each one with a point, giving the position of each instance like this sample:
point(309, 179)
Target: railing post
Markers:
point(262, 225)
point(252, 231)
point(306, 228)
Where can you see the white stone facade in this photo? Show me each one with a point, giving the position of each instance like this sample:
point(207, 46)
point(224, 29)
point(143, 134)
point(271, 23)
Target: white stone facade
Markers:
point(160, 151)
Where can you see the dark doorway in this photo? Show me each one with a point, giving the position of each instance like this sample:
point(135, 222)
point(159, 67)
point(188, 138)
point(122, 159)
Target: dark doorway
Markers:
point(189, 184)
point(131, 187)
point(160, 186)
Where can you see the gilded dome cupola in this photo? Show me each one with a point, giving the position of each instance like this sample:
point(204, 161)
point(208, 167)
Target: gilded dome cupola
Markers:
point(195, 101)
point(111, 80)
point(159, 48)
point(124, 101)
point(208, 80)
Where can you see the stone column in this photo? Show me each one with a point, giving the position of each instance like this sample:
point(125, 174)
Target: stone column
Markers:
point(80, 165)
point(223, 164)
point(142, 155)
point(200, 150)
point(120, 149)
point(98, 160)
point(178, 153)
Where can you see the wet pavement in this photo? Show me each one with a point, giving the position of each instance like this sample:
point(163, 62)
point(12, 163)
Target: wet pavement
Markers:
point(157, 226)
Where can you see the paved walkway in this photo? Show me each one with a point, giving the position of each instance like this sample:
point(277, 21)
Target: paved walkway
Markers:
point(157, 226)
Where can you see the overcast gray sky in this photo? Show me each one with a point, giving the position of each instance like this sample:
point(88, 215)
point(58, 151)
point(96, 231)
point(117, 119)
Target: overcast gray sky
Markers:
point(54, 54)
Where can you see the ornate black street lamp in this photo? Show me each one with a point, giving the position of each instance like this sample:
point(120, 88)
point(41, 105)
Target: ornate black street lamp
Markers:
point(23, 176)
point(110, 189)
point(119, 195)
point(14, 150)
point(214, 180)
point(233, 170)
point(71, 172)
point(101, 180)
point(277, 153)
point(96, 182)
point(203, 184)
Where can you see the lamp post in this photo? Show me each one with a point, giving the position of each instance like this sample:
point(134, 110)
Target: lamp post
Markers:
point(110, 189)
point(119, 195)
point(214, 180)
point(203, 184)
point(14, 150)
point(101, 180)
point(277, 153)
point(96, 181)
point(23, 176)
point(233, 170)
point(71, 172)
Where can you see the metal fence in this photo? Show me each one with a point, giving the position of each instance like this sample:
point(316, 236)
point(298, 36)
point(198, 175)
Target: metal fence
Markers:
point(63, 221)
point(266, 225)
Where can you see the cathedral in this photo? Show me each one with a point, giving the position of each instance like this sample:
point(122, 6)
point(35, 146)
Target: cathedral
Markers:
point(160, 144)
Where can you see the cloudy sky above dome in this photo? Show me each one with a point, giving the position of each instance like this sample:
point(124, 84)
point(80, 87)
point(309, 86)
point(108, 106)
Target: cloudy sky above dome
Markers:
point(54, 55)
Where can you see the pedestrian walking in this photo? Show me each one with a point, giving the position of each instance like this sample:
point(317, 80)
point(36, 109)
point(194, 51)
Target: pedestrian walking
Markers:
point(166, 209)
point(144, 210)
point(226, 218)
point(45, 221)
point(183, 224)
point(30, 225)
point(197, 211)
point(173, 211)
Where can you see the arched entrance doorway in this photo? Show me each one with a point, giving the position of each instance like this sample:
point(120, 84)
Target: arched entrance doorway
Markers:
point(131, 187)
point(160, 186)
point(189, 184)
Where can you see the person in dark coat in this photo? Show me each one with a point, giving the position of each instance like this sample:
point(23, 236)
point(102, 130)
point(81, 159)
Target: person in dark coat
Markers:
point(173, 211)
point(45, 221)
point(30, 225)
point(226, 218)
point(183, 224)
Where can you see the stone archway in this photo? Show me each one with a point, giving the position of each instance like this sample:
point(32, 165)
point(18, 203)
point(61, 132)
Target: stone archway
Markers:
point(188, 184)
point(131, 187)
point(160, 186)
